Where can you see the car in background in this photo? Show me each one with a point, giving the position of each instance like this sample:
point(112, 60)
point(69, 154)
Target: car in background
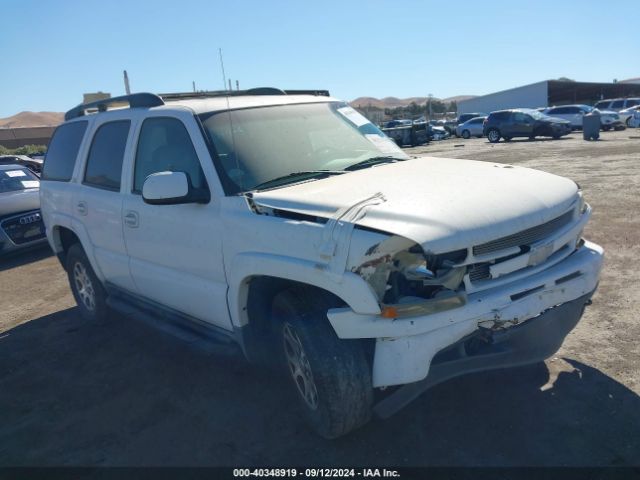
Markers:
point(397, 123)
point(33, 164)
point(523, 122)
point(463, 117)
point(617, 104)
point(627, 115)
point(21, 223)
point(472, 127)
point(574, 114)
point(631, 116)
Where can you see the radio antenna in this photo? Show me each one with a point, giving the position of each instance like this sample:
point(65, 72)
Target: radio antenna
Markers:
point(224, 77)
point(233, 138)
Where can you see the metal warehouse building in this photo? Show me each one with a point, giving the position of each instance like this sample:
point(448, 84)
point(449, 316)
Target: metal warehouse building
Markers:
point(548, 93)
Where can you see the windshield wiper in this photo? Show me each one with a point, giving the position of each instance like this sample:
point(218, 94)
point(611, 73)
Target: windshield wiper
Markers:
point(310, 174)
point(373, 161)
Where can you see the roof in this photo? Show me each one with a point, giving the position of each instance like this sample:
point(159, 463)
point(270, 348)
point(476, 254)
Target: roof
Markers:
point(201, 102)
point(217, 104)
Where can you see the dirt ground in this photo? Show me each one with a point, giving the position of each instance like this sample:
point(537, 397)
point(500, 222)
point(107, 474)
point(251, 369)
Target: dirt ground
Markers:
point(73, 393)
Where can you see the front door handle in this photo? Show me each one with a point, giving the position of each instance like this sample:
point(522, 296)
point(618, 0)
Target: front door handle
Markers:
point(82, 208)
point(131, 219)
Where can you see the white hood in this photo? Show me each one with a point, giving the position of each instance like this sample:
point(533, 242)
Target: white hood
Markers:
point(444, 204)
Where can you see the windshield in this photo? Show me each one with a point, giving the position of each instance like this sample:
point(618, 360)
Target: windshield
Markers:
point(17, 179)
point(257, 145)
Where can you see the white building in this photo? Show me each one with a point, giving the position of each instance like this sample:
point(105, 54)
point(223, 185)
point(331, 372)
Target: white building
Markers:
point(548, 93)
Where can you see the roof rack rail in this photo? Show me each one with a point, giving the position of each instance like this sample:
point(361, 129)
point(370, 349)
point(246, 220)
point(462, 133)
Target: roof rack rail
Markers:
point(236, 93)
point(135, 100)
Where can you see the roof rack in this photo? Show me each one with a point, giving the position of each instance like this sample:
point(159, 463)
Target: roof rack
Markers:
point(237, 93)
point(135, 100)
point(148, 100)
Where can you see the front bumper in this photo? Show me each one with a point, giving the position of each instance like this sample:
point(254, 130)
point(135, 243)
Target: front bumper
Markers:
point(406, 347)
point(16, 235)
point(530, 342)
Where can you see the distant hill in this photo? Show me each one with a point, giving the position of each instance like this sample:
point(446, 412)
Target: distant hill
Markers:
point(33, 119)
point(392, 102)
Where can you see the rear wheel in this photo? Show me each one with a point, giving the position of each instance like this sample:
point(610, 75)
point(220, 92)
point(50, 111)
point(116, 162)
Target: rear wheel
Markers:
point(331, 377)
point(466, 134)
point(85, 286)
point(493, 135)
point(606, 128)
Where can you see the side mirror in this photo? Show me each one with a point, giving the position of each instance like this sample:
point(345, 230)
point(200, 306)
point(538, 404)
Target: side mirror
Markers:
point(171, 188)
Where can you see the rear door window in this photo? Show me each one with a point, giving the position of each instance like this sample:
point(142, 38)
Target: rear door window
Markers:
point(63, 151)
point(104, 165)
point(632, 102)
point(617, 104)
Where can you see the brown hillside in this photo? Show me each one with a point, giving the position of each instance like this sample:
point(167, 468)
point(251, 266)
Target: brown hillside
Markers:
point(32, 119)
point(391, 102)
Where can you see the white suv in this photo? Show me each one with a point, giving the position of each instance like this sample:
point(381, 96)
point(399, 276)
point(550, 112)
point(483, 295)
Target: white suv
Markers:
point(288, 224)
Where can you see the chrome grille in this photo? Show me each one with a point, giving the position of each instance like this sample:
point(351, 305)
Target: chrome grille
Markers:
point(479, 271)
point(23, 228)
point(525, 237)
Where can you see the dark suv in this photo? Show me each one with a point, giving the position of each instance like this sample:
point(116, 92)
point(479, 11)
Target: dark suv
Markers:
point(523, 123)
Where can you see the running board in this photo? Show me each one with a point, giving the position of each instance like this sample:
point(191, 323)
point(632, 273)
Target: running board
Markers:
point(200, 336)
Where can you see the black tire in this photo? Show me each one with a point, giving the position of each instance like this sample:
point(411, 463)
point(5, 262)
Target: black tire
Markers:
point(628, 122)
point(493, 135)
point(337, 370)
point(466, 134)
point(507, 139)
point(85, 286)
point(555, 137)
point(606, 128)
point(532, 137)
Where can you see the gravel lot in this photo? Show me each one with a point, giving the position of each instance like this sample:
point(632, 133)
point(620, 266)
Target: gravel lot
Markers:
point(72, 393)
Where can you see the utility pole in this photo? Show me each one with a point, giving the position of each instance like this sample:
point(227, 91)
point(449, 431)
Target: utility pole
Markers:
point(230, 89)
point(237, 85)
point(430, 96)
point(194, 86)
point(126, 83)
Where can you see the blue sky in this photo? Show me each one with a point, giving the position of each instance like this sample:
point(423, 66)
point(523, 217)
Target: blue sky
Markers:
point(53, 51)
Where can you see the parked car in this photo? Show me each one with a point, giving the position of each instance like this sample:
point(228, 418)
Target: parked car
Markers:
point(574, 114)
point(20, 219)
point(472, 127)
point(438, 132)
point(33, 164)
point(468, 116)
point(523, 122)
point(308, 238)
point(631, 116)
point(617, 104)
point(397, 123)
point(626, 115)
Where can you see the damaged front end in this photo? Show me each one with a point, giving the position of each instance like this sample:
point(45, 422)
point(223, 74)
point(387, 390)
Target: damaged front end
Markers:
point(408, 282)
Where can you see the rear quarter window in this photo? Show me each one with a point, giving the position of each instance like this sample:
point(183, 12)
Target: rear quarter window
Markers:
point(63, 151)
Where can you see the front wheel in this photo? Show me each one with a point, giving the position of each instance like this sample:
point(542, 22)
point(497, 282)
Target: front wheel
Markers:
point(493, 135)
point(331, 377)
point(466, 134)
point(85, 286)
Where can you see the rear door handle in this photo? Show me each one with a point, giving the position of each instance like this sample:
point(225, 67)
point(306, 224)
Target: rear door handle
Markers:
point(82, 208)
point(131, 219)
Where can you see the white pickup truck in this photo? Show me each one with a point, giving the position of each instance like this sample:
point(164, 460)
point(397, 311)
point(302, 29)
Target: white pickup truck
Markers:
point(288, 224)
